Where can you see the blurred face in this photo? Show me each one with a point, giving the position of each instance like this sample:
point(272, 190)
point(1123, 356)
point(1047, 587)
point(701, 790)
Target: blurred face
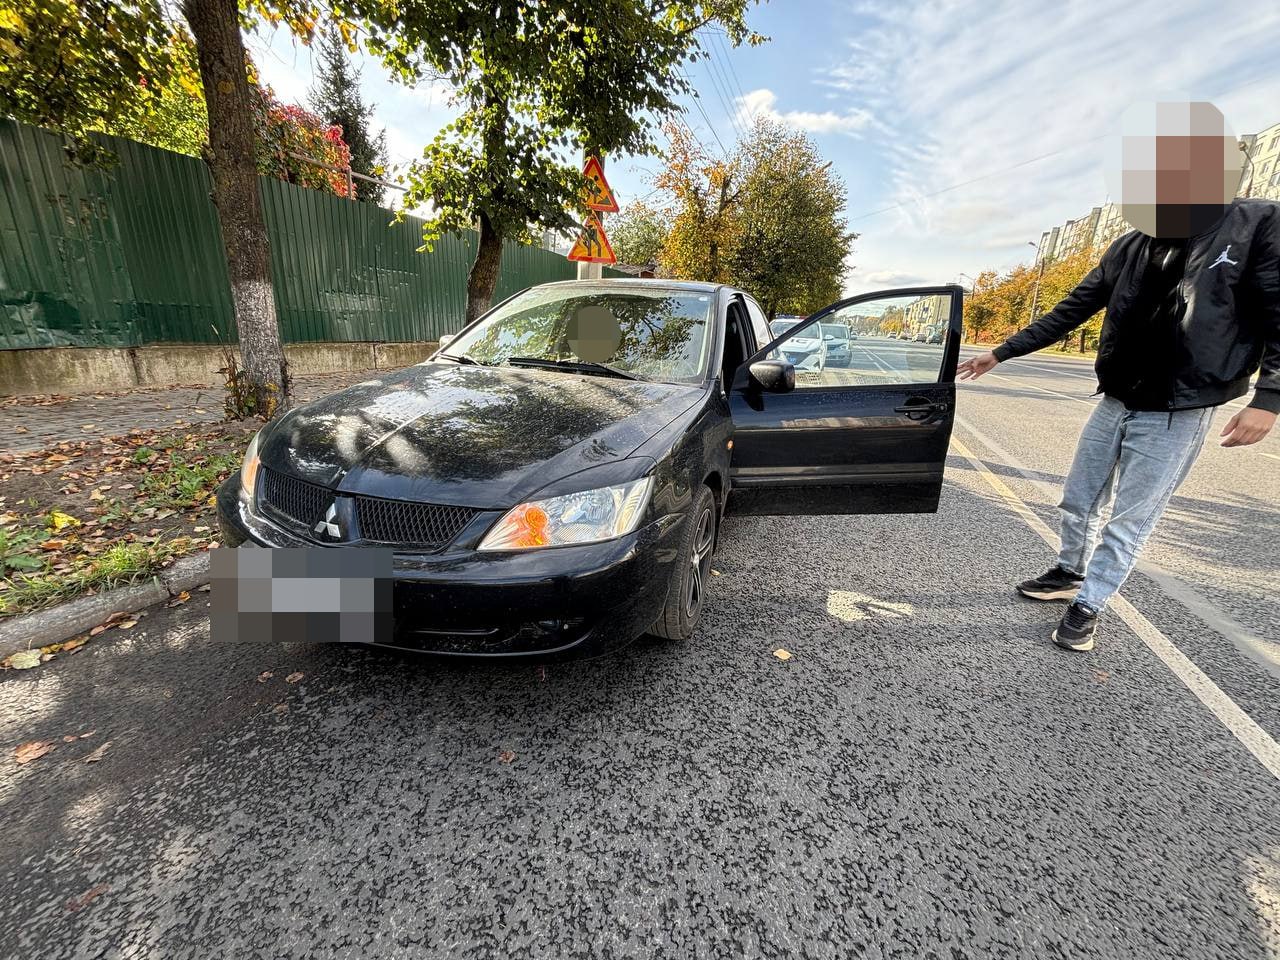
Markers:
point(1179, 168)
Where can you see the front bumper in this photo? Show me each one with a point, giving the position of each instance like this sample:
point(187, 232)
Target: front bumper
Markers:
point(548, 604)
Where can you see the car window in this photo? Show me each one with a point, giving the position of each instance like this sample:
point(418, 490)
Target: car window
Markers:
point(883, 341)
point(655, 333)
point(759, 323)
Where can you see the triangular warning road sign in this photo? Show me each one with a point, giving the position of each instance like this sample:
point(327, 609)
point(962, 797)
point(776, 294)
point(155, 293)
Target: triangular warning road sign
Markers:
point(599, 195)
point(592, 246)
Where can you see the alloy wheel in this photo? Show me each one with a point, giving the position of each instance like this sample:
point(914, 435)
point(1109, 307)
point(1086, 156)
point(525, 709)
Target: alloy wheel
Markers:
point(700, 562)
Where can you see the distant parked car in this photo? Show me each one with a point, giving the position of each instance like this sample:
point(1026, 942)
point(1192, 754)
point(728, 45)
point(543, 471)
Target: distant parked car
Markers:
point(922, 336)
point(837, 336)
point(935, 337)
point(806, 352)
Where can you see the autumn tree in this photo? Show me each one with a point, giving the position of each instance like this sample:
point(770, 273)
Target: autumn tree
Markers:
point(538, 86)
point(704, 193)
point(337, 100)
point(174, 116)
point(77, 67)
point(1000, 305)
point(638, 233)
point(792, 240)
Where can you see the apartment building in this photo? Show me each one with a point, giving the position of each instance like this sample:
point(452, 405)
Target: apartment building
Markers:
point(1262, 172)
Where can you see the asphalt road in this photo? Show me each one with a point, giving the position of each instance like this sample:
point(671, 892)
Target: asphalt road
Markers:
point(927, 777)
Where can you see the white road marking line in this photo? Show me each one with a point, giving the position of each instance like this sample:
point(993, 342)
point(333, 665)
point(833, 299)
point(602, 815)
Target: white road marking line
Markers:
point(1049, 368)
point(1052, 393)
point(877, 361)
point(1266, 654)
point(1242, 726)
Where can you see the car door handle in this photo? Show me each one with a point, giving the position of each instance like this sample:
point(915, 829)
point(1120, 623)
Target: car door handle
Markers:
point(917, 411)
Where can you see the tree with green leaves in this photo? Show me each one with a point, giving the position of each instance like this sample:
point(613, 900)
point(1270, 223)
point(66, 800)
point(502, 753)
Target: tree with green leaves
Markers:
point(793, 241)
point(78, 66)
point(539, 86)
point(639, 233)
point(174, 118)
point(336, 98)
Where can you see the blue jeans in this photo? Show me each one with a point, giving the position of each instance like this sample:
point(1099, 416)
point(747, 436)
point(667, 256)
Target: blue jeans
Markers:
point(1137, 458)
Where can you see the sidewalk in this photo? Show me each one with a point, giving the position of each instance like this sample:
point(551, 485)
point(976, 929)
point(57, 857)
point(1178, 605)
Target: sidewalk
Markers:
point(35, 423)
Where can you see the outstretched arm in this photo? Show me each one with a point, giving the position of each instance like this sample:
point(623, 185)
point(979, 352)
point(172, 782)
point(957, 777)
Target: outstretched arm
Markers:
point(1089, 296)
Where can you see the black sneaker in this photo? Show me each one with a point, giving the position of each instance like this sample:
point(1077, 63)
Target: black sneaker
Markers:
point(1076, 628)
point(1055, 584)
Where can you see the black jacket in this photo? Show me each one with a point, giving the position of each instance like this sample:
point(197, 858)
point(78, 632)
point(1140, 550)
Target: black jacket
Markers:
point(1230, 323)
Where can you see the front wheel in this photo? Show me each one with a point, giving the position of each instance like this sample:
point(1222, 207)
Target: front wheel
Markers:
point(687, 594)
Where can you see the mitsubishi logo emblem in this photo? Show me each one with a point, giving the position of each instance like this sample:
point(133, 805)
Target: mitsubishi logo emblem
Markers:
point(329, 525)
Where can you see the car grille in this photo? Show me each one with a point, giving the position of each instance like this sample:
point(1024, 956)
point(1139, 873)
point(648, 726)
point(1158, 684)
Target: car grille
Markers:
point(403, 521)
point(297, 502)
point(302, 505)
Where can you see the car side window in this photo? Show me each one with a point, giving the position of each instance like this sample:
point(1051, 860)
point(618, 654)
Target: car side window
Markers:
point(881, 341)
point(759, 324)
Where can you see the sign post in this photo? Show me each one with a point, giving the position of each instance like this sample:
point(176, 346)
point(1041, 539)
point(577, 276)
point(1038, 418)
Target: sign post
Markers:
point(592, 249)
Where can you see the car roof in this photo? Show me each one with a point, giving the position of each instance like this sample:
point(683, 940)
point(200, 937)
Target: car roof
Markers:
point(653, 283)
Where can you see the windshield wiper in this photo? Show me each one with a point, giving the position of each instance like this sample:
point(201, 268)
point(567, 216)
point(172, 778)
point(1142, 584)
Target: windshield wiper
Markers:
point(466, 360)
point(580, 366)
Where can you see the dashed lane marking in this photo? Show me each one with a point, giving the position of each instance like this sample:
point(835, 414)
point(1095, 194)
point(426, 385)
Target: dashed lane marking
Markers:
point(1242, 726)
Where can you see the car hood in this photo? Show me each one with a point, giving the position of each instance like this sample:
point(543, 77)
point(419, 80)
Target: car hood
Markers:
point(473, 436)
point(801, 344)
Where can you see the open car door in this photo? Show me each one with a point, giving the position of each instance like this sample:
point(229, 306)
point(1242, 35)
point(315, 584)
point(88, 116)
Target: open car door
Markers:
point(862, 431)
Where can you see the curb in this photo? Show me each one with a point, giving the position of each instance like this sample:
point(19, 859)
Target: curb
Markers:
point(76, 616)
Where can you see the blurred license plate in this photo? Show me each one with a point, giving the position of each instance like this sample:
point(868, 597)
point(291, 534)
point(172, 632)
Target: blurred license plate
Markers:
point(290, 594)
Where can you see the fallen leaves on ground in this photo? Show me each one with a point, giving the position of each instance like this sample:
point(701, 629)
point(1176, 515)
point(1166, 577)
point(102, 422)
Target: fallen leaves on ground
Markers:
point(293, 677)
point(506, 756)
point(265, 675)
point(280, 708)
point(97, 754)
point(23, 659)
point(782, 654)
point(75, 904)
point(32, 750)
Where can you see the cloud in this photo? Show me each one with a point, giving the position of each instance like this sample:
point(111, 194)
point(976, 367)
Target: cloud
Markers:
point(989, 127)
point(763, 103)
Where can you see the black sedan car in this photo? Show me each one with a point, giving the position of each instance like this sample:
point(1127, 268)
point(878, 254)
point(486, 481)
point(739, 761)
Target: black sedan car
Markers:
point(553, 479)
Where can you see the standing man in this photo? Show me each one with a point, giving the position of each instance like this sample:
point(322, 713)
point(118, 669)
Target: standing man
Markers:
point(1192, 299)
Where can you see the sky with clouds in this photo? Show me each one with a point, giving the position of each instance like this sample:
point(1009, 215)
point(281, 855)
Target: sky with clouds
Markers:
point(962, 129)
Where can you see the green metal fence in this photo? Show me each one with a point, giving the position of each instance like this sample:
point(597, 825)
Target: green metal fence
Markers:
point(133, 254)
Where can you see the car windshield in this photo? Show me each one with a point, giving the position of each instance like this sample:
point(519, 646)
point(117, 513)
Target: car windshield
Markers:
point(835, 330)
point(779, 327)
point(653, 334)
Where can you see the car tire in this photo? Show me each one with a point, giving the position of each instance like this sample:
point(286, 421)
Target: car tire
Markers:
point(686, 596)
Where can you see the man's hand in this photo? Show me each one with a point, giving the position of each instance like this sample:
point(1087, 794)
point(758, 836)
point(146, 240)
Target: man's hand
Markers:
point(975, 367)
point(1248, 426)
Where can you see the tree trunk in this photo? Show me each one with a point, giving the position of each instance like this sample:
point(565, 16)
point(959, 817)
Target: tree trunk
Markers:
point(1082, 339)
point(215, 24)
point(483, 278)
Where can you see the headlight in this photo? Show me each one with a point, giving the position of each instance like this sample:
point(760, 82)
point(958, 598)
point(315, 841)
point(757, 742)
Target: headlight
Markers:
point(587, 517)
point(249, 469)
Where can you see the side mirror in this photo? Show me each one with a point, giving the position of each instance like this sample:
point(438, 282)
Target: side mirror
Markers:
point(775, 376)
point(445, 340)
point(829, 336)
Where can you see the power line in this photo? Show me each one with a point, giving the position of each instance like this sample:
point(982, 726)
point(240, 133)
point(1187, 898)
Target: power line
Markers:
point(985, 176)
point(697, 102)
point(728, 59)
point(720, 83)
